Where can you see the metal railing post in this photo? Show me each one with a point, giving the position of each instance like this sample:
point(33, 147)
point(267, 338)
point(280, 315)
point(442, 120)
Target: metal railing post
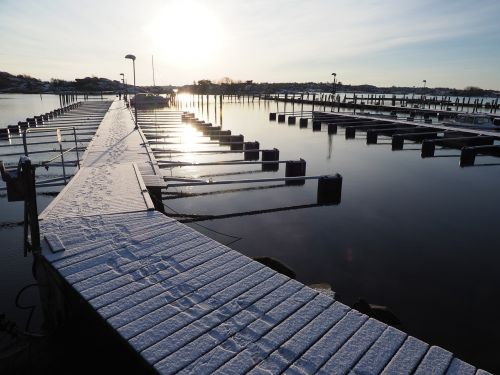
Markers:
point(27, 173)
point(59, 140)
point(76, 148)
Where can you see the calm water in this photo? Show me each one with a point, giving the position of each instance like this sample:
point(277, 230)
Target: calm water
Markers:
point(417, 235)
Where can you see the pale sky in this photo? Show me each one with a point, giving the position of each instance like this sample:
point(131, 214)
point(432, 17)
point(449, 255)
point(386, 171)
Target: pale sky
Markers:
point(450, 43)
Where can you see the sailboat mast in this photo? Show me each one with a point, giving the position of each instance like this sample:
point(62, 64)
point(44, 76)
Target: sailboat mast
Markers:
point(153, 66)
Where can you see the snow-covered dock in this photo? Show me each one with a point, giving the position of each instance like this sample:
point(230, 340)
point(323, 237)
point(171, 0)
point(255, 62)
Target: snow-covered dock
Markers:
point(187, 304)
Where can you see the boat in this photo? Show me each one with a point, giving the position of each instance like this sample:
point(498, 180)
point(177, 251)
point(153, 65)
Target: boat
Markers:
point(149, 100)
point(474, 120)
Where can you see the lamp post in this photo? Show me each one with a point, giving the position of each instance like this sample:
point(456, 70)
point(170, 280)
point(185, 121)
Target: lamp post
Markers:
point(132, 57)
point(123, 86)
point(334, 82)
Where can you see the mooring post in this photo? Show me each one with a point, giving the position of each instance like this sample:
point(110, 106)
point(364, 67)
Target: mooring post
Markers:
point(332, 128)
point(249, 154)
point(224, 137)
point(236, 142)
point(295, 168)
point(428, 148)
point(329, 189)
point(467, 156)
point(27, 174)
point(270, 155)
point(5, 133)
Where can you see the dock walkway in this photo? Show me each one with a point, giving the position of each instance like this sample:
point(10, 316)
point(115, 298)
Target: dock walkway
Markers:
point(188, 304)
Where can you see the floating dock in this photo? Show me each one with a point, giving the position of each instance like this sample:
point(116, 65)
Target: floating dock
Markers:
point(187, 304)
point(424, 105)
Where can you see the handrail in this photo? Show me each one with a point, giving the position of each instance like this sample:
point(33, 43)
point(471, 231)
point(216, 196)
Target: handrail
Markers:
point(59, 140)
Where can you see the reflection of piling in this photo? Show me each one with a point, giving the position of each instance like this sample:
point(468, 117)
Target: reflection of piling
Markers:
point(303, 122)
point(281, 118)
point(329, 189)
point(272, 116)
point(316, 126)
point(291, 120)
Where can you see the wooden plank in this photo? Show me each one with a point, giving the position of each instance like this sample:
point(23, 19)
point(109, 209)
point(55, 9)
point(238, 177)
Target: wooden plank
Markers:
point(459, 367)
point(158, 270)
point(315, 357)
point(155, 327)
point(215, 258)
point(223, 342)
point(292, 349)
point(349, 354)
point(436, 361)
point(271, 339)
point(172, 252)
point(407, 358)
point(198, 264)
point(54, 242)
point(381, 352)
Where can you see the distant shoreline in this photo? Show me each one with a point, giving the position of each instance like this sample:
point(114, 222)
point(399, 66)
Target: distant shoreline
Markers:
point(24, 84)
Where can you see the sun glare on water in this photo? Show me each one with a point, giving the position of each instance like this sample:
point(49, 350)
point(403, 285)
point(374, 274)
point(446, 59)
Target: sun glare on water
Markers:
point(185, 34)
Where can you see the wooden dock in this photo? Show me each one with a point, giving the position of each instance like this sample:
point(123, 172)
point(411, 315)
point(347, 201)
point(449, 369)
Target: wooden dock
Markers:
point(188, 304)
point(421, 106)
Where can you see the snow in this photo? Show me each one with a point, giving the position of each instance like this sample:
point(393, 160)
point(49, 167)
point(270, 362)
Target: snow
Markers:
point(407, 357)
point(436, 361)
point(188, 304)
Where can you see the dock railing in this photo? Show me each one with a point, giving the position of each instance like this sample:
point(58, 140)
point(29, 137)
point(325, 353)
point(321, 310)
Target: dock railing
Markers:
point(59, 141)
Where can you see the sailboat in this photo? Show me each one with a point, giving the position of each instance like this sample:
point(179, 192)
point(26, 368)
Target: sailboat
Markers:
point(149, 99)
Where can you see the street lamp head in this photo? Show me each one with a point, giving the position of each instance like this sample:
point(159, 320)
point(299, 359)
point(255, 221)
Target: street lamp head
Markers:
point(131, 57)
point(122, 74)
point(334, 74)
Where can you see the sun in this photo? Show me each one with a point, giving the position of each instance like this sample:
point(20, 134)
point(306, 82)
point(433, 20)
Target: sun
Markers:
point(185, 34)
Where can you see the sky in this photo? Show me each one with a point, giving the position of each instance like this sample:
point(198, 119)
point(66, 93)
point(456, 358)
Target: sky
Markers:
point(449, 43)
